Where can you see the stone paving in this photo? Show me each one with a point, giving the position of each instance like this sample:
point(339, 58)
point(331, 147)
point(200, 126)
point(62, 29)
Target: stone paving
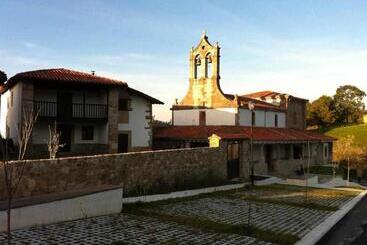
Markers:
point(122, 229)
point(281, 218)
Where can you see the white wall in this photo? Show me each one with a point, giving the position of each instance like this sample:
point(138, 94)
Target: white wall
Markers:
point(219, 116)
point(11, 115)
point(89, 205)
point(41, 133)
point(140, 135)
point(262, 118)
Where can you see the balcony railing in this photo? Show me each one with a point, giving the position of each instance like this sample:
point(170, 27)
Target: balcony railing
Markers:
point(77, 110)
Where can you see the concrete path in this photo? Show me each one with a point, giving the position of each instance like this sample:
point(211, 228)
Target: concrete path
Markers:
point(349, 230)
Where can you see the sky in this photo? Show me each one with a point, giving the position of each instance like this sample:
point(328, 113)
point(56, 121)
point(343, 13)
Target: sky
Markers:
point(304, 48)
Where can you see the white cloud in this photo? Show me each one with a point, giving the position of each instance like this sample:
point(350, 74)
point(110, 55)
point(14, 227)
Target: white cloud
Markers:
point(28, 44)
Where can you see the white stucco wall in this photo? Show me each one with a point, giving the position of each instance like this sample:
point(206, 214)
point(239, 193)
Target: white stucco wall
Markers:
point(262, 118)
point(140, 134)
point(219, 116)
point(11, 115)
point(89, 205)
point(41, 133)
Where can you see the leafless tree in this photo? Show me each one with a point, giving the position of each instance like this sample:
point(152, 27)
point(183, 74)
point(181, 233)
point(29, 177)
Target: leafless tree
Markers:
point(53, 143)
point(25, 131)
point(13, 172)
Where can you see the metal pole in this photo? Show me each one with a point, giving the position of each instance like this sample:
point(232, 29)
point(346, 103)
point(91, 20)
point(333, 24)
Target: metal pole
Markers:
point(252, 156)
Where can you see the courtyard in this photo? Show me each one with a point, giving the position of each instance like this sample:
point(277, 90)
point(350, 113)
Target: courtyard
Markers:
point(274, 214)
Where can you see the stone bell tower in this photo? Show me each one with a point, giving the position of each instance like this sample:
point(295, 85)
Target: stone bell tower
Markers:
point(204, 88)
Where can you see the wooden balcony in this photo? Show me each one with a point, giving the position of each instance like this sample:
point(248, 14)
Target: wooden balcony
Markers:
point(65, 112)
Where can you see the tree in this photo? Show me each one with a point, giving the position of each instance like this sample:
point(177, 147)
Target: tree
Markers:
point(345, 150)
point(13, 172)
point(349, 104)
point(321, 112)
point(3, 77)
point(53, 143)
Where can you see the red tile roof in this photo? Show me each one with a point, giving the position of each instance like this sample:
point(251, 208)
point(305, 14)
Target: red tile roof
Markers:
point(63, 75)
point(243, 101)
point(260, 94)
point(238, 132)
point(267, 93)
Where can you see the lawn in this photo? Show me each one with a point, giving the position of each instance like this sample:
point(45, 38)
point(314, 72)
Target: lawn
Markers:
point(359, 131)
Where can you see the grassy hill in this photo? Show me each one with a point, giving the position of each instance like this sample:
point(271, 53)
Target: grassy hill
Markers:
point(359, 131)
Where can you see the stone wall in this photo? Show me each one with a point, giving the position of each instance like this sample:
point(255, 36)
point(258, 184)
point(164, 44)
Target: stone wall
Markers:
point(139, 173)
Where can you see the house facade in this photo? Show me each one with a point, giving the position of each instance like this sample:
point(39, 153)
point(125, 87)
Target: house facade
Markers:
point(94, 114)
point(274, 121)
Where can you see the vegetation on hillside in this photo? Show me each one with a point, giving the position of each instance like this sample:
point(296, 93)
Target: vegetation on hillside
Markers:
point(358, 131)
point(345, 107)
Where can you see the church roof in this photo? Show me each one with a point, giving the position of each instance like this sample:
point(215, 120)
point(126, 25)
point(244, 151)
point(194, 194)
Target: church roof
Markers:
point(267, 93)
point(239, 132)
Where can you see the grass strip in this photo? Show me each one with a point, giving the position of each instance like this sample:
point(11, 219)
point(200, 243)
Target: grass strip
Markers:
point(294, 204)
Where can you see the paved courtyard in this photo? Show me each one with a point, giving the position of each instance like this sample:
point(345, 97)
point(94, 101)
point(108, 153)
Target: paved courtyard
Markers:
point(273, 209)
point(280, 218)
point(122, 229)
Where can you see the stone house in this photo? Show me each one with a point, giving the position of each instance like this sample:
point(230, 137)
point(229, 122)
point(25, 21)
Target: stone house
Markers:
point(275, 122)
point(94, 114)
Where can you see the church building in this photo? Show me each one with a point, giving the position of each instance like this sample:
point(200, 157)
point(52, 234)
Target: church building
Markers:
point(274, 122)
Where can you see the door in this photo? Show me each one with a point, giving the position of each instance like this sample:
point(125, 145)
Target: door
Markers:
point(65, 136)
point(233, 160)
point(123, 143)
point(64, 106)
point(269, 157)
point(202, 118)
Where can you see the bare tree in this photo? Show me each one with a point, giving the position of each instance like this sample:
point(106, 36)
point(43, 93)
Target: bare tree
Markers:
point(53, 143)
point(13, 172)
point(25, 131)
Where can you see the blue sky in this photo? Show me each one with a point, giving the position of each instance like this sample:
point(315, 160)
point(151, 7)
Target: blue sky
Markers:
point(306, 48)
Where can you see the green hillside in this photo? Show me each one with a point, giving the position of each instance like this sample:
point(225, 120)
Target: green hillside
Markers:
point(359, 131)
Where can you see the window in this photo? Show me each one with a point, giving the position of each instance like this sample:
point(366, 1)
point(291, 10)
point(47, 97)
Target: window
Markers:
point(87, 133)
point(208, 65)
point(197, 67)
point(297, 152)
point(253, 118)
point(276, 120)
point(326, 151)
point(124, 104)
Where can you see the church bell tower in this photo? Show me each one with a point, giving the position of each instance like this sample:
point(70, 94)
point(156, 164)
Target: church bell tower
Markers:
point(204, 88)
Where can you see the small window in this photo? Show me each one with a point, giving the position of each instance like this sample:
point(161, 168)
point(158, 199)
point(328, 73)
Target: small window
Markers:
point(124, 104)
point(276, 120)
point(326, 151)
point(87, 133)
point(253, 118)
